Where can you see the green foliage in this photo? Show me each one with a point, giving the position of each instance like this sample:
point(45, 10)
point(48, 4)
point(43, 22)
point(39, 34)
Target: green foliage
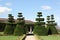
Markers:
point(22, 22)
point(48, 17)
point(52, 17)
point(53, 29)
point(20, 19)
point(39, 30)
point(11, 18)
point(39, 14)
point(20, 15)
point(51, 24)
point(9, 29)
point(19, 30)
point(2, 26)
point(40, 25)
point(39, 19)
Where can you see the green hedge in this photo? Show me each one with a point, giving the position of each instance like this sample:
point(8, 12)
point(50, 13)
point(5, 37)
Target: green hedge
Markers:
point(39, 19)
point(2, 26)
point(39, 30)
point(53, 29)
point(19, 30)
point(40, 23)
point(9, 29)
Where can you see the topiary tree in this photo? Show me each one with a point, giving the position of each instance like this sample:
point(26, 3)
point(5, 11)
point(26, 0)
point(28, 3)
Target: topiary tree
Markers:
point(9, 29)
point(48, 18)
point(19, 30)
point(51, 25)
point(11, 18)
point(40, 25)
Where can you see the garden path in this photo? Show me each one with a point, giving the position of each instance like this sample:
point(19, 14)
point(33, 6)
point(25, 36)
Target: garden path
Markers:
point(30, 37)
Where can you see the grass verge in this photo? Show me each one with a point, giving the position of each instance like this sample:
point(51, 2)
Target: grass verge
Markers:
point(49, 37)
point(21, 37)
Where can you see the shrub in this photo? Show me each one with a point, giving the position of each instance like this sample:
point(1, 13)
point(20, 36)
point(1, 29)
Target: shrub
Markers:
point(2, 26)
point(9, 29)
point(18, 30)
point(40, 25)
point(53, 29)
point(51, 25)
point(39, 30)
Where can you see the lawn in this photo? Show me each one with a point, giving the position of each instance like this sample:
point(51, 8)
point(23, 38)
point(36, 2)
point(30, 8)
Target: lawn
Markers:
point(50, 37)
point(12, 37)
point(8, 37)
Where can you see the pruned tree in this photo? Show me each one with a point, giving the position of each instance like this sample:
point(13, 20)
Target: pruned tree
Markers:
point(40, 25)
point(9, 29)
point(19, 30)
point(51, 29)
point(11, 18)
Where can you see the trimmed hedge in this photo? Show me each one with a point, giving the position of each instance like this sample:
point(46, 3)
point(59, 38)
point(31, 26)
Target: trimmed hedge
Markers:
point(39, 19)
point(40, 23)
point(39, 30)
point(2, 26)
point(53, 29)
point(19, 30)
point(9, 29)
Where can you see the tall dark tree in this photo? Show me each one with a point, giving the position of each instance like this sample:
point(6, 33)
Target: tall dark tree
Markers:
point(40, 25)
point(19, 30)
point(51, 25)
point(9, 29)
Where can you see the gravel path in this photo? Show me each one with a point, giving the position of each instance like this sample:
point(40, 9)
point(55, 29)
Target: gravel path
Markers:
point(30, 37)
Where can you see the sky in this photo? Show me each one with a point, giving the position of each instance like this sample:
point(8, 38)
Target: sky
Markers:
point(29, 8)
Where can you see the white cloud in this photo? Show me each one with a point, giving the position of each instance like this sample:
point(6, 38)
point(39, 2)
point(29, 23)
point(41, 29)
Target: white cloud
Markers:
point(8, 4)
point(5, 9)
point(46, 7)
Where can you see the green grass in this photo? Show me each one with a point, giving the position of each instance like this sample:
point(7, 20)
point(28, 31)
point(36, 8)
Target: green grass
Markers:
point(8, 37)
point(21, 37)
point(50, 37)
point(12, 37)
point(1, 32)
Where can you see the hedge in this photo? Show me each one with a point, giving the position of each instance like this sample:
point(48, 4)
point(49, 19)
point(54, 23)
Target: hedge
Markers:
point(39, 30)
point(9, 29)
point(19, 30)
point(2, 26)
point(53, 29)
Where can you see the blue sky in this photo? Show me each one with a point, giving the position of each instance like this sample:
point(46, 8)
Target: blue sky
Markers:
point(29, 8)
